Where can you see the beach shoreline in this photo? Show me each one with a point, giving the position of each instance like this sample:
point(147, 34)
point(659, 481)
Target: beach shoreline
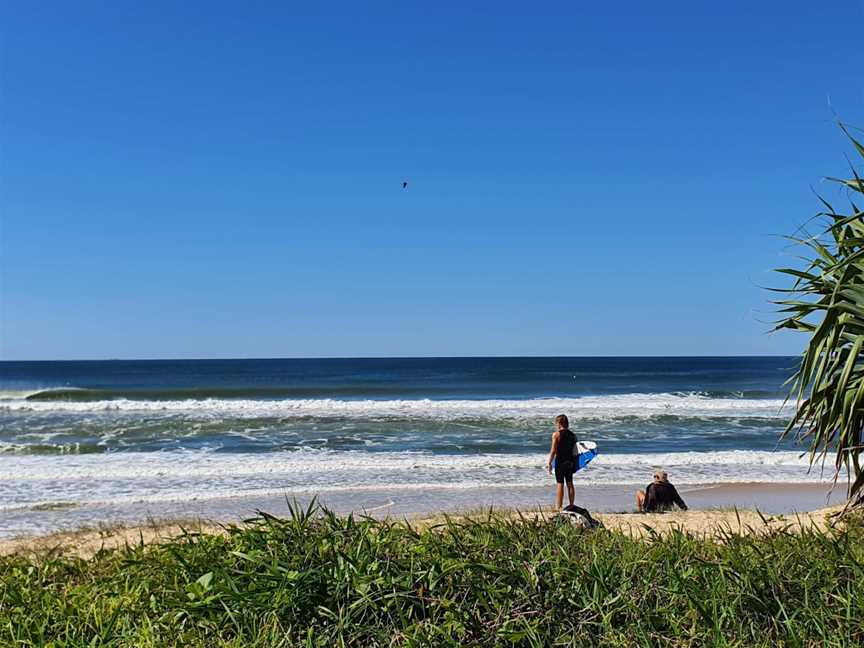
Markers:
point(85, 542)
point(709, 504)
point(121, 442)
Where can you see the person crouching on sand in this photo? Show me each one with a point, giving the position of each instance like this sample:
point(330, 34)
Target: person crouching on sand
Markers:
point(659, 495)
point(562, 456)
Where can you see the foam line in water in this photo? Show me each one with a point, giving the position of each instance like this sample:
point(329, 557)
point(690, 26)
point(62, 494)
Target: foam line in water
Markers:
point(186, 476)
point(203, 464)
point(611, 406)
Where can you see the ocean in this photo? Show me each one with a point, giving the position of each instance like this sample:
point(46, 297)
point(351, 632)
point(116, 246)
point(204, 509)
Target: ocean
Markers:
point(74, 434)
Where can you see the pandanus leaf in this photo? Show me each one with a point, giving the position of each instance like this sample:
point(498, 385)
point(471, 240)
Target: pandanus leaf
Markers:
point(826, 301)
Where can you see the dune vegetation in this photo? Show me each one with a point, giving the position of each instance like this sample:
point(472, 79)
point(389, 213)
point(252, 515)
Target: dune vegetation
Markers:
point(826, 301)
point(317, 579)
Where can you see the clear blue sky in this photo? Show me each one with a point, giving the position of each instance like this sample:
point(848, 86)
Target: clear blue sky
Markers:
point(224, 179)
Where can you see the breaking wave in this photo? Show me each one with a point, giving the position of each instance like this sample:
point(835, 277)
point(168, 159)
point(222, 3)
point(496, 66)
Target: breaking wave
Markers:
point(608, 406)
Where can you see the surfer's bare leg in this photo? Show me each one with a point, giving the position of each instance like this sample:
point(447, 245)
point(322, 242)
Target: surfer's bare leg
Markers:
point(640, 499)
point(571, 492)
point(559, 496)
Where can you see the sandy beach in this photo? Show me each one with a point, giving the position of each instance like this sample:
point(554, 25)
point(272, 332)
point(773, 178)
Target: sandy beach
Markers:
point(714, 510)
point(86, 542)
point(771, 499)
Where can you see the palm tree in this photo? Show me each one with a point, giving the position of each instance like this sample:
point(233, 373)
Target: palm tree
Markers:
point(826, 301)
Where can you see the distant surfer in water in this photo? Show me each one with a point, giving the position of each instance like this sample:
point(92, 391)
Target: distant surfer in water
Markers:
point(659, 495)
point(562, 459)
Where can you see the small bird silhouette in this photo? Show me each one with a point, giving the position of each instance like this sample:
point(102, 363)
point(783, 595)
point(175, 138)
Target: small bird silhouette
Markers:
point(404, 185)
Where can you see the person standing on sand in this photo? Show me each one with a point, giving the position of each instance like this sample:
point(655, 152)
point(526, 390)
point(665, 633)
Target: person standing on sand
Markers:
point(659, 495)
point(562, 456)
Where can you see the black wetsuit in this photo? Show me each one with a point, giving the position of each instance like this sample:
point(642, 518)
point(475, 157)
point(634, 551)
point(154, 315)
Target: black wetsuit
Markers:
point(565, 457)
point(661, 496)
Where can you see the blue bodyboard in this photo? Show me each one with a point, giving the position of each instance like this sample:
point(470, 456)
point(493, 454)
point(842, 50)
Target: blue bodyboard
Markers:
point(587, 452)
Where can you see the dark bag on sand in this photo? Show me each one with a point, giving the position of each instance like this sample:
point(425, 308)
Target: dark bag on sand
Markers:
point(579, 516)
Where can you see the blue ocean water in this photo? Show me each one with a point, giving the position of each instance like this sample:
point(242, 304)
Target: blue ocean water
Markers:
point(154, 430)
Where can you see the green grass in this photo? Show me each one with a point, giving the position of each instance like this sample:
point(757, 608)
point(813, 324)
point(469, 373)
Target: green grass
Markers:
point(315, 579)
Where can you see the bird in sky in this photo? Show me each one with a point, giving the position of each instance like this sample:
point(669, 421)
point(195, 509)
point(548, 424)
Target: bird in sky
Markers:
point(404, 185)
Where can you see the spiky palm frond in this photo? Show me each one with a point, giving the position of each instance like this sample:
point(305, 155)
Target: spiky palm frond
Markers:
point(826, 301)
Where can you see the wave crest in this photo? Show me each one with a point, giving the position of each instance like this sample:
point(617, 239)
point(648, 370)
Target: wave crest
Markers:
point(612, 406)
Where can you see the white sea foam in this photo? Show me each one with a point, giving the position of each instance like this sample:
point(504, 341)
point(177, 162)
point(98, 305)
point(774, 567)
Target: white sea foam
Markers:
point(610, 406)
point(206, 464)
point(28, 480)
point(113, 478)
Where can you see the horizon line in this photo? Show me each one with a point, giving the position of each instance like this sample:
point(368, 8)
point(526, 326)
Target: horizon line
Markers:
point(399, 357)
